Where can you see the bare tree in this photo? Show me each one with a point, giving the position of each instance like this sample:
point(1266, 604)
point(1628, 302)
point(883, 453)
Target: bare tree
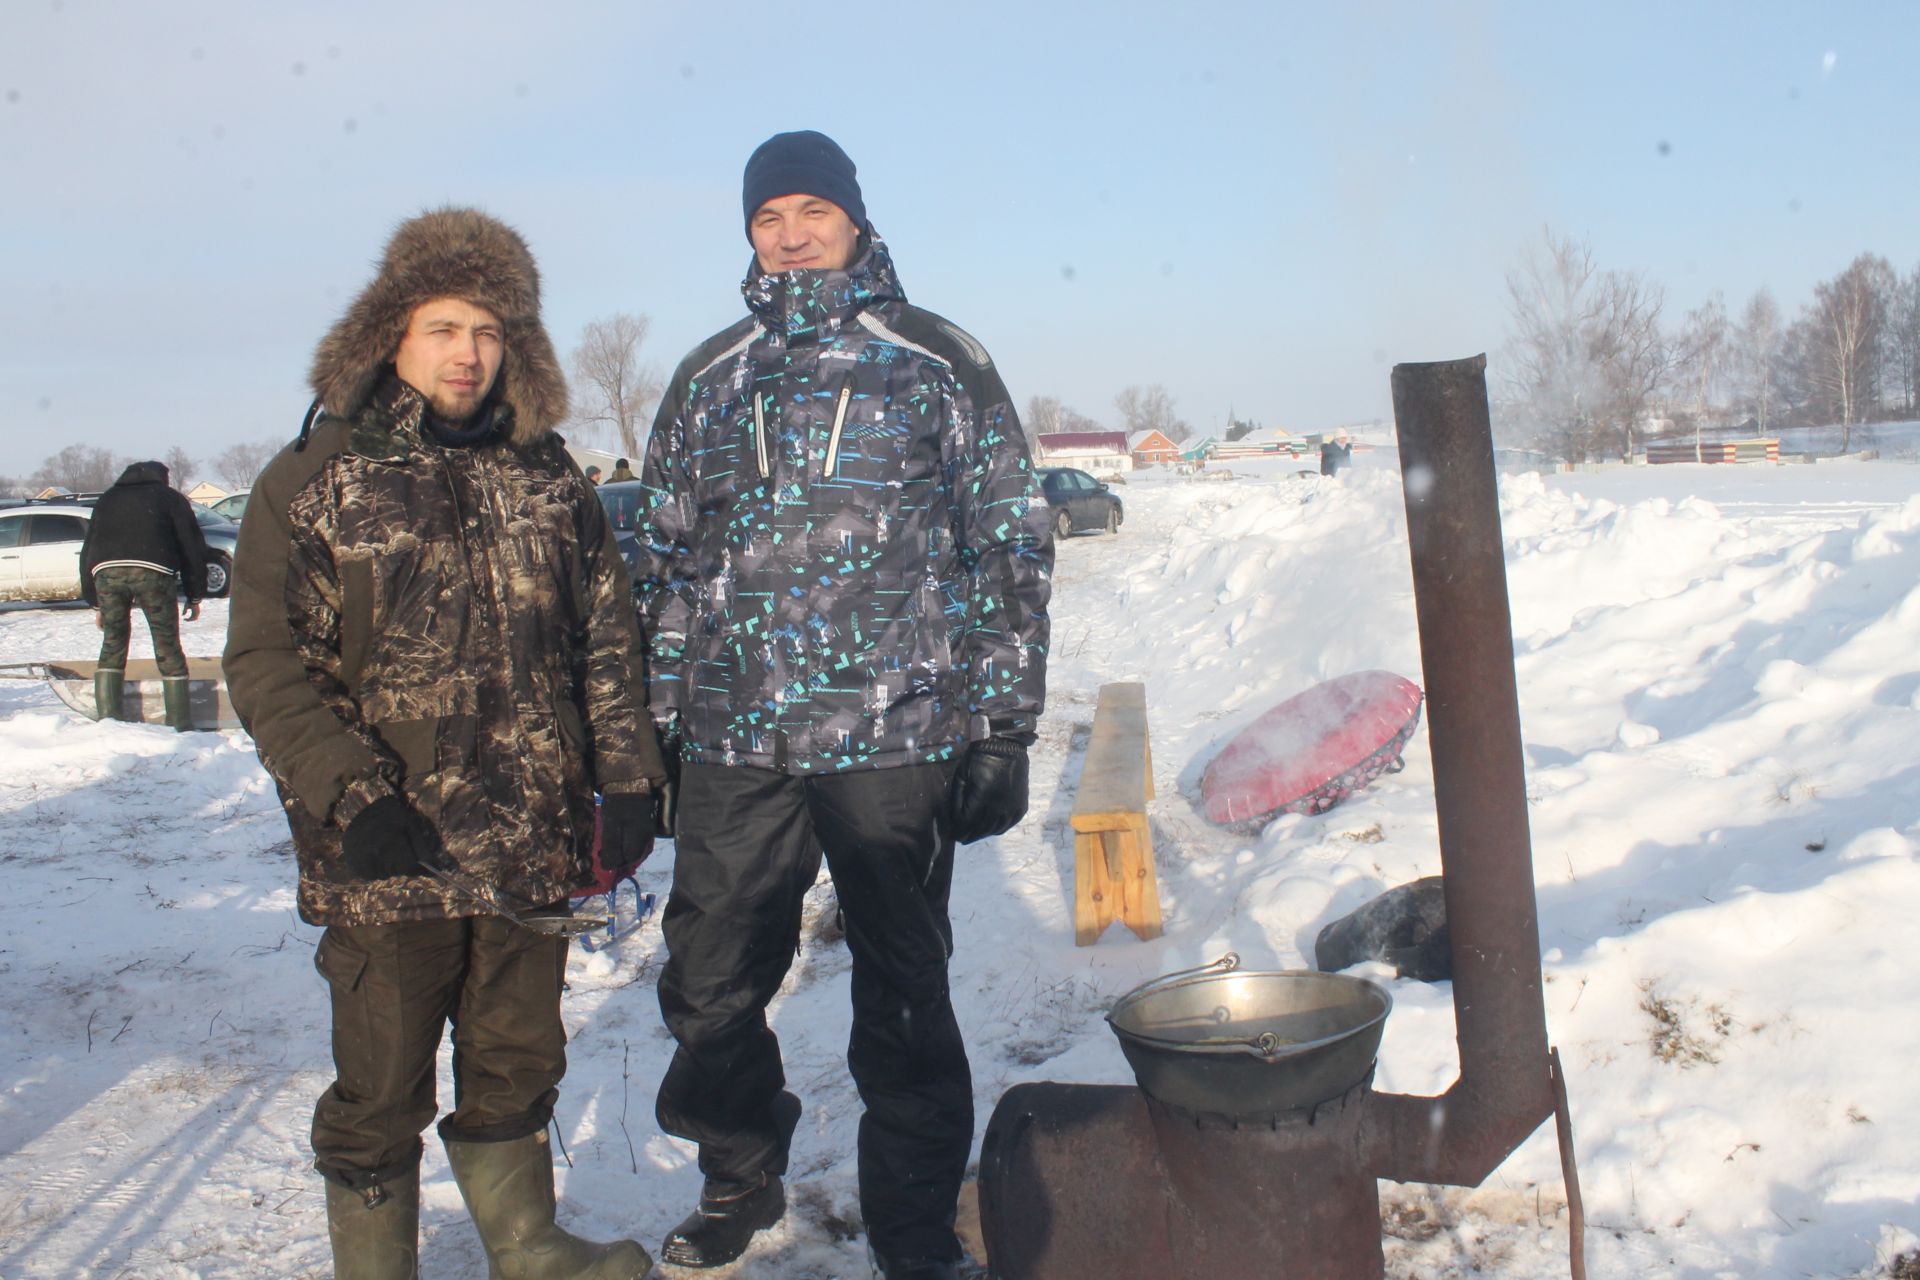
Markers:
point(1903, 343)
point(1849, 314)
point(1756, 358)
point(1700, 357)
point(1043, 417)
point(81, 468)
point(1586, 353)
point(1150, 409)
point(615, 392)
point(181, 468)
point(1046, 415)
point(238, 466)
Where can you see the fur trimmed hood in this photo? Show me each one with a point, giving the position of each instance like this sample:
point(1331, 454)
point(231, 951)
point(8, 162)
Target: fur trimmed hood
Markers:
point(447, 253)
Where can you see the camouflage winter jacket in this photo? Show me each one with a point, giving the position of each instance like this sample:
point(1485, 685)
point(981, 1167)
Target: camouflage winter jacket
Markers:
point(847, 556)
point(452, 624)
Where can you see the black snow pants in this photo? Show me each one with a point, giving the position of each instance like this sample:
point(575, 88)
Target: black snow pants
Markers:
point(747, 849)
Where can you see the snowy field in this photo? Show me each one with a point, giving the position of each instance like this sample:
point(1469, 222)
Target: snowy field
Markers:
point(1719, 675)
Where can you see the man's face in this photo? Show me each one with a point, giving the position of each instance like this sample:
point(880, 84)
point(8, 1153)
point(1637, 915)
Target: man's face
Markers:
point(803, 233)
point(451, 355)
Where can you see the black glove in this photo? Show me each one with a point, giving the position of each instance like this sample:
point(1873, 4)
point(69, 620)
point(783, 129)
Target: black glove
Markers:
point(388, 838)
point(666, 799)
point(626, 831)
point(989, 793)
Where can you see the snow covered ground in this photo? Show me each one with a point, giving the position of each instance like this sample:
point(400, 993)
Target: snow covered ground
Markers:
point(1720, 693)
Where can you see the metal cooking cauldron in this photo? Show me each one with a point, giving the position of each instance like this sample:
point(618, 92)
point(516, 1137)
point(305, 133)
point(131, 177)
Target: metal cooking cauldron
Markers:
point(1240, 1042)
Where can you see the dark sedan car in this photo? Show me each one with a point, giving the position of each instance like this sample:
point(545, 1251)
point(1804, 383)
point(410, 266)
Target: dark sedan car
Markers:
point(621, 498)
point(1079, 502)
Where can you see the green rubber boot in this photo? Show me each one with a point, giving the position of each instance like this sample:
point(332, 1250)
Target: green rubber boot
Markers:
point(108, 686)
point(376, 1232)
point(177, 694)
point(508, 1187)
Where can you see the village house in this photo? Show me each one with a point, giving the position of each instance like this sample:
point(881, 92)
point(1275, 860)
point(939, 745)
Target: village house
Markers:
point(1098, 452)
point(1152, 448)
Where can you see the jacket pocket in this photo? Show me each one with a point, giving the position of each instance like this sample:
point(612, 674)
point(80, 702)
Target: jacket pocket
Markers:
point(761, 446)
point(415, 742)
point(577, 762)
point(840, 403)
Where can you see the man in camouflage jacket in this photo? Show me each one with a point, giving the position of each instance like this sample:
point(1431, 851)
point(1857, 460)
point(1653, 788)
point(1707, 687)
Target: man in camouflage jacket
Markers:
point(433, 643)
point(847, 567)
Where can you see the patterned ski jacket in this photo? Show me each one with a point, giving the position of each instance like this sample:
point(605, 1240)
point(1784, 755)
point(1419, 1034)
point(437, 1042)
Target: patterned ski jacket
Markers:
point(846, 555)
point(453, 624)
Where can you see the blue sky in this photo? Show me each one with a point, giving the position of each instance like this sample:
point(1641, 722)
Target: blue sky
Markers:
point(1262, 207)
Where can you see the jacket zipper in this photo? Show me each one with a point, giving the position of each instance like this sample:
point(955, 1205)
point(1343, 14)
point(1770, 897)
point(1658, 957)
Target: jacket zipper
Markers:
point(839, 420)
point(760, 437)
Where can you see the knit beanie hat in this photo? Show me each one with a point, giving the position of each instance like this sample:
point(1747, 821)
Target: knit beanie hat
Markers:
point(801, 163)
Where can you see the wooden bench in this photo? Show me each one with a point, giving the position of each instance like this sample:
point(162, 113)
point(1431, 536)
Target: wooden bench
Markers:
point(1112, 847)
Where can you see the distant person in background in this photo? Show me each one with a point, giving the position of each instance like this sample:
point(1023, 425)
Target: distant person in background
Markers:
point(1336, 455)
point(621, 471)
point(593, 475)
point(143, 548)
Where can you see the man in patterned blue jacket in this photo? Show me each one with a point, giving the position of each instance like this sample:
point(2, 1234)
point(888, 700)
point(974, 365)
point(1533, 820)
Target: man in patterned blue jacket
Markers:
point(848, 561)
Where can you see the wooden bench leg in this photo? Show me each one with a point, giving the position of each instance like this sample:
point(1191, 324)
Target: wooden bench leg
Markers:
point(1092, 890)
point(1138, 889)
point(1114, 880)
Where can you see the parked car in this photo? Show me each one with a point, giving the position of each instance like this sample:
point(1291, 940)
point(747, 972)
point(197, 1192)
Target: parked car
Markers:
point(1079, 501)
point(621, 498)
point(231, 507)
point(40, 550)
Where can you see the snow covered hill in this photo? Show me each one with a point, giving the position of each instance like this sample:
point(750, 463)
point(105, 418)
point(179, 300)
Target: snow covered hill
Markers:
point(1720, 695)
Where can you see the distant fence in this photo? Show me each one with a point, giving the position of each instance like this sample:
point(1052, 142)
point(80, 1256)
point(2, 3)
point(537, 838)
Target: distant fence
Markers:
point(1758, 450)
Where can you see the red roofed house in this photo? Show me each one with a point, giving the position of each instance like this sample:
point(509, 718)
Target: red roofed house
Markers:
point(1152, 448)
point(1094, 451)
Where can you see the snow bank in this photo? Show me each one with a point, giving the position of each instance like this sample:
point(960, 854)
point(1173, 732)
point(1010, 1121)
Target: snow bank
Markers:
point(1720, 694)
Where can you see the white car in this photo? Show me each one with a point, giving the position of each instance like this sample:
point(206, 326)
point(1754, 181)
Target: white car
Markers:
point(231, 507)
point(40, 550)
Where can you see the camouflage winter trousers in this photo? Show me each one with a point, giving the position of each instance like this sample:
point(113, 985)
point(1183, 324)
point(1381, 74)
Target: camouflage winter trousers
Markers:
point(119, 588)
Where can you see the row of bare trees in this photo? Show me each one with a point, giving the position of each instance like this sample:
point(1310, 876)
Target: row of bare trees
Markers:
point(85, 468)
point(615, 393)
point(1137, 408)
point(1591, 367)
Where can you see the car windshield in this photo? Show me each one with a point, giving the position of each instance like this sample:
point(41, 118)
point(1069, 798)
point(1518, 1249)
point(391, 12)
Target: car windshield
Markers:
point(622, 502)
point(210, 518)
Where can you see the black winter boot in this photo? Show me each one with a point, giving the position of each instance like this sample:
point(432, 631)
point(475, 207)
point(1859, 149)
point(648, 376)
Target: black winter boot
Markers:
point(922, 1268)
point(177, 693)
point(508, 1187)
point(721, 1226)
point(108, 688)
point(375, 1231)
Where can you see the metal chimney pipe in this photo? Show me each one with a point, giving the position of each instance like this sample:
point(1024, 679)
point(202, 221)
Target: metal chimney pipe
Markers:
point(1101, 1182)
point(1504, 1090)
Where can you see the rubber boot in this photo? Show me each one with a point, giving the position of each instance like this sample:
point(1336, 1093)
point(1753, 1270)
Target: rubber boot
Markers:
point(177, 693)
point(376, 1231)
point(508, 1187)
point(108, 687)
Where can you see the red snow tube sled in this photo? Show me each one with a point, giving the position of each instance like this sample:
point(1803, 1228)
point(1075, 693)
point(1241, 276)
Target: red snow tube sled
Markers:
point(1313, 750)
